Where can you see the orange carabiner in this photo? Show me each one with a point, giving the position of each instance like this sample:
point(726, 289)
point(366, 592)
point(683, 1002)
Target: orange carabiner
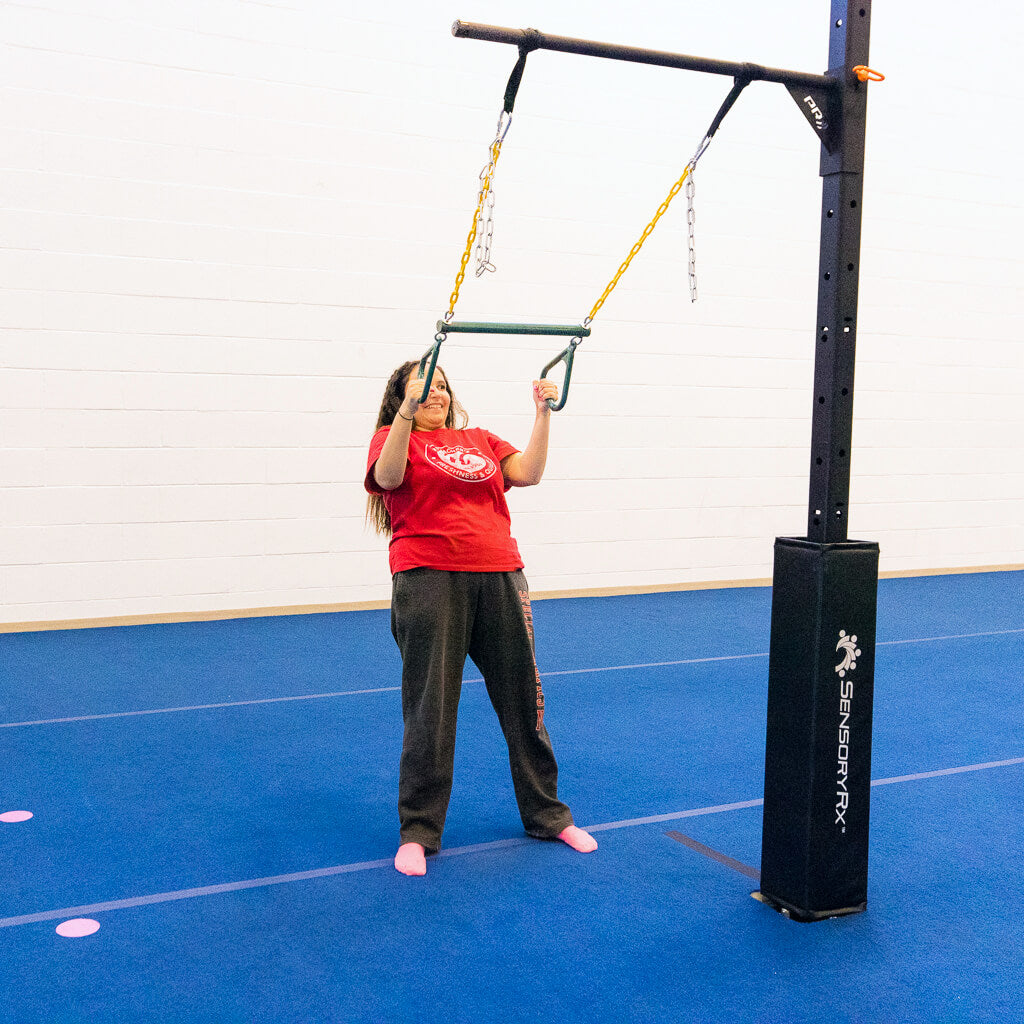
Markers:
point(866, 74)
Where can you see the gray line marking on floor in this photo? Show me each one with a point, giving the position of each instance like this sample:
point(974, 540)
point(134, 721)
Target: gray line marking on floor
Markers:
point(185, 894)
point(200, 707)
point(947, 771)
point(952, 636)
point(395, 689)
point(729, 862)
point(301, 876)
point(213, 890)
point(656, 819)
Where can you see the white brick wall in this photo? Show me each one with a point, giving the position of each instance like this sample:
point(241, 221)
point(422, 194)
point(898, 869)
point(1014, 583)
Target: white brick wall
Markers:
point(224, 222)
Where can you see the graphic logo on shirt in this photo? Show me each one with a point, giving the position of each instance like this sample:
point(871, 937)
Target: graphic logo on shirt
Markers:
point(462, 463)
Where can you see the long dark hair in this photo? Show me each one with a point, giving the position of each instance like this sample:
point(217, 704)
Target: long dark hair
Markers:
point(394, 395)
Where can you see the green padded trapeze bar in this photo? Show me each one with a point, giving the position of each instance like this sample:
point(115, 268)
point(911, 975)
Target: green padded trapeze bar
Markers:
point(468, 327)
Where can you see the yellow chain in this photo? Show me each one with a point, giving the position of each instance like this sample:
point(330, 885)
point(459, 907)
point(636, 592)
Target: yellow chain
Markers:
point(636, 248)
point(481, 199)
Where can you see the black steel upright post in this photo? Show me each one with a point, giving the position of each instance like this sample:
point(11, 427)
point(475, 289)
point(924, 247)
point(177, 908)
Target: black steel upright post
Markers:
point(821, 665)
point(814, 855)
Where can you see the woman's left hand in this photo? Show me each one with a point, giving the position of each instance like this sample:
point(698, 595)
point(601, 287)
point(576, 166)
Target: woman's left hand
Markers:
point(542, 391)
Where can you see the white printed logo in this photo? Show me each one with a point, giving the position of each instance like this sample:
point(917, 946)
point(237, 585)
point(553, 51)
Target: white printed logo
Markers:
point(461, 463)
point(852, 653)
point(819, 117)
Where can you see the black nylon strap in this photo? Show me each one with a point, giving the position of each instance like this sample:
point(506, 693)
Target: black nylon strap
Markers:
point(739, 84)
point(531, 40)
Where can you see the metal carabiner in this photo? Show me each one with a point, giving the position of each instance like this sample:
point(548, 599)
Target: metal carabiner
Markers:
point(504, 123)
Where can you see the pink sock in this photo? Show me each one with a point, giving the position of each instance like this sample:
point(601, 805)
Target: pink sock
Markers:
point(411, 859)
point(579, 840)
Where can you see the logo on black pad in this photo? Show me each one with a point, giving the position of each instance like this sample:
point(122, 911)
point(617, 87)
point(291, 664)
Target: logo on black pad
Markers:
point(851, 652)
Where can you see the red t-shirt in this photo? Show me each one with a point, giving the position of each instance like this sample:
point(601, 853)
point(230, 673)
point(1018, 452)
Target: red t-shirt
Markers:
point(450, 510)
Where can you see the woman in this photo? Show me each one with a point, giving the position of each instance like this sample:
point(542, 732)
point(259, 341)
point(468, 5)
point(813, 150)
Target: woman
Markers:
point(458, 589)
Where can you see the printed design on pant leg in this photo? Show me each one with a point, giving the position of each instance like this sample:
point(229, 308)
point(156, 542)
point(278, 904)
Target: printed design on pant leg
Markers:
point(469, 464)
point(524, 597)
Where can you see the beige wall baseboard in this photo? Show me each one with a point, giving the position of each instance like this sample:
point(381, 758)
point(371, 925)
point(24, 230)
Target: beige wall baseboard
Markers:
point(207, 616)
point(960, 570)
point(354, 606)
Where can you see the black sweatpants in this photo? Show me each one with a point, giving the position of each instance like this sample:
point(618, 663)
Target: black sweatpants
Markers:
point(437, 618)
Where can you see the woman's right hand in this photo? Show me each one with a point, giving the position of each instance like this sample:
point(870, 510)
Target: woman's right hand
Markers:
point(413, 394)
point(389, 469)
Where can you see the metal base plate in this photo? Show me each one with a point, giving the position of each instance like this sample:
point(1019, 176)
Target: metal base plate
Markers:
point(806, 916)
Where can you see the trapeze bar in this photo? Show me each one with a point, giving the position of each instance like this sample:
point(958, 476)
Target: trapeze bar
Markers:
point(469, 327)
point(532, 39)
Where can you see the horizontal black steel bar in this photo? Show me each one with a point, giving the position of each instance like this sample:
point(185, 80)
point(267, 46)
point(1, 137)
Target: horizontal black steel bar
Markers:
point(469, 327)
point(638, 55)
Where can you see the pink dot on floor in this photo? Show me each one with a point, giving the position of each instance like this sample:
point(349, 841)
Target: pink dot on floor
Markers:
point(77, 928)
point(12, 816)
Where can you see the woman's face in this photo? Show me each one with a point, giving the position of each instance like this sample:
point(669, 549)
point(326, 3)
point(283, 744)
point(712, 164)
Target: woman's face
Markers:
point(432, 414)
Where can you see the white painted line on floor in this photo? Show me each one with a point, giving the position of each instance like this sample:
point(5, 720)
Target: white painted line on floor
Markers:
point(369, 865)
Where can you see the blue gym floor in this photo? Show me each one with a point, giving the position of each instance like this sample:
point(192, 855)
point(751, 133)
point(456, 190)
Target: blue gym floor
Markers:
point(220, 797)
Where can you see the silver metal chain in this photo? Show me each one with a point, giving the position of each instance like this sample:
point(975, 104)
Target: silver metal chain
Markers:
point(485, 197)
point(485, 234)
point(691, 216)
point(691, 190)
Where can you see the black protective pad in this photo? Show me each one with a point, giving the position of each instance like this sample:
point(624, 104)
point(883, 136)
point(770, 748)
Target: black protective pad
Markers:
point(814, 856)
